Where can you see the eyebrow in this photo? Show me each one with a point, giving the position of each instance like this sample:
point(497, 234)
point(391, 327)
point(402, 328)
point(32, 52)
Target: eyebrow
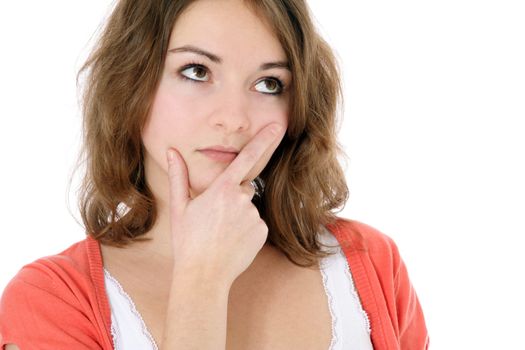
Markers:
point(216, 59)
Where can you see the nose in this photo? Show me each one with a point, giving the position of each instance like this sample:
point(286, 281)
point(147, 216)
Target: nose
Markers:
point(231, 112)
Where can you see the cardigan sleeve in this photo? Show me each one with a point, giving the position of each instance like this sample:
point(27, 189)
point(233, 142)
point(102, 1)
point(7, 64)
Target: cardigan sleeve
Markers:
point(387, 292)
point(412, 329)
point(41, 309)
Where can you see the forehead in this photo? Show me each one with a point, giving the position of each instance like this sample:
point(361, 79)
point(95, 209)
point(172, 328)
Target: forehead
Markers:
point(228, 28)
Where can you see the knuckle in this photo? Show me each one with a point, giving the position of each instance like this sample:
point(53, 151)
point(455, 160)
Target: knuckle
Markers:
point(248, 189)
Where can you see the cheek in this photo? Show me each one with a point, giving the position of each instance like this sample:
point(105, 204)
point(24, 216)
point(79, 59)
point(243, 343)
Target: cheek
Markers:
point(169, 112)
point(267, 111)
point(166, 107)
point(164, 125)
point(284, 119)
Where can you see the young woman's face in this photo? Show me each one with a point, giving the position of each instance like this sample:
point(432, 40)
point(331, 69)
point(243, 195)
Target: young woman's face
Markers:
point(225, 100)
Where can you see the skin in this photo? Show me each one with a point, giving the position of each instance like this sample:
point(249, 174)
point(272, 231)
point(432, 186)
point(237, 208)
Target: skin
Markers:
point(229, 105)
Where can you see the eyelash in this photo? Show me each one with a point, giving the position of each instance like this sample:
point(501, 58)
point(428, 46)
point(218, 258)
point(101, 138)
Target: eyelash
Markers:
point(277, 79)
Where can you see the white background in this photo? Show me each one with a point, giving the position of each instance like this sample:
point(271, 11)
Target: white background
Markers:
point(434, 125)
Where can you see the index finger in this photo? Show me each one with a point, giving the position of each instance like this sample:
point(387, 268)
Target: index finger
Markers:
point(250, 154)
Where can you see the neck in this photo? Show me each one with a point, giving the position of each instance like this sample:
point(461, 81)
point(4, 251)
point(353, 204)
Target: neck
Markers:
point(159, 247)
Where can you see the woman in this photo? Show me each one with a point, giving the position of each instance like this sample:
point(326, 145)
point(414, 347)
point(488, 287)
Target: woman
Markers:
point(207, 226)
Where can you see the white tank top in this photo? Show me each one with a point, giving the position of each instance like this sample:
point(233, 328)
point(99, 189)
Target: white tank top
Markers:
point(350, 323)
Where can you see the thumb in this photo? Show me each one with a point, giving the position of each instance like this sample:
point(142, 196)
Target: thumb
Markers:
point(178, 181)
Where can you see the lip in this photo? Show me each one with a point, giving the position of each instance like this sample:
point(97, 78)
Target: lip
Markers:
point(220, 148)
point(225, 157)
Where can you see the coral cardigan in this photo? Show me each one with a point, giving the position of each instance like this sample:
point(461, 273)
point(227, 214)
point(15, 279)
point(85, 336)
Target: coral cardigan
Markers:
point(60, 302)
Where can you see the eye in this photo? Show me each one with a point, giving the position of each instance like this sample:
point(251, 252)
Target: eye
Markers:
point(200, 71)
point(198, 68)
point(272, 83)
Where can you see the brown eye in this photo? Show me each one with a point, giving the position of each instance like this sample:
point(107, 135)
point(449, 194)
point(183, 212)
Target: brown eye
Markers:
point(274, 85)
point(199, 72)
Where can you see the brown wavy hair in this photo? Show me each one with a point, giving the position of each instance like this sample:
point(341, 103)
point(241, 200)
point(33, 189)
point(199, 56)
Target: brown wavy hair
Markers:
point(303, 181)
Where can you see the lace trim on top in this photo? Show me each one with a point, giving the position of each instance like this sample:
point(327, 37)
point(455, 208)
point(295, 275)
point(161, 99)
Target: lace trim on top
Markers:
point(133, 309)
point(334, 344)
point(353, 291)
point(335, 337)
point(115, 334)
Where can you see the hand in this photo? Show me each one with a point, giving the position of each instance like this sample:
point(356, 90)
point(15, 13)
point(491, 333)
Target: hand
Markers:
point(219, 233)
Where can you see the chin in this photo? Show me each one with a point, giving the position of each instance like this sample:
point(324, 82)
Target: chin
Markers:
point(197, 188)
